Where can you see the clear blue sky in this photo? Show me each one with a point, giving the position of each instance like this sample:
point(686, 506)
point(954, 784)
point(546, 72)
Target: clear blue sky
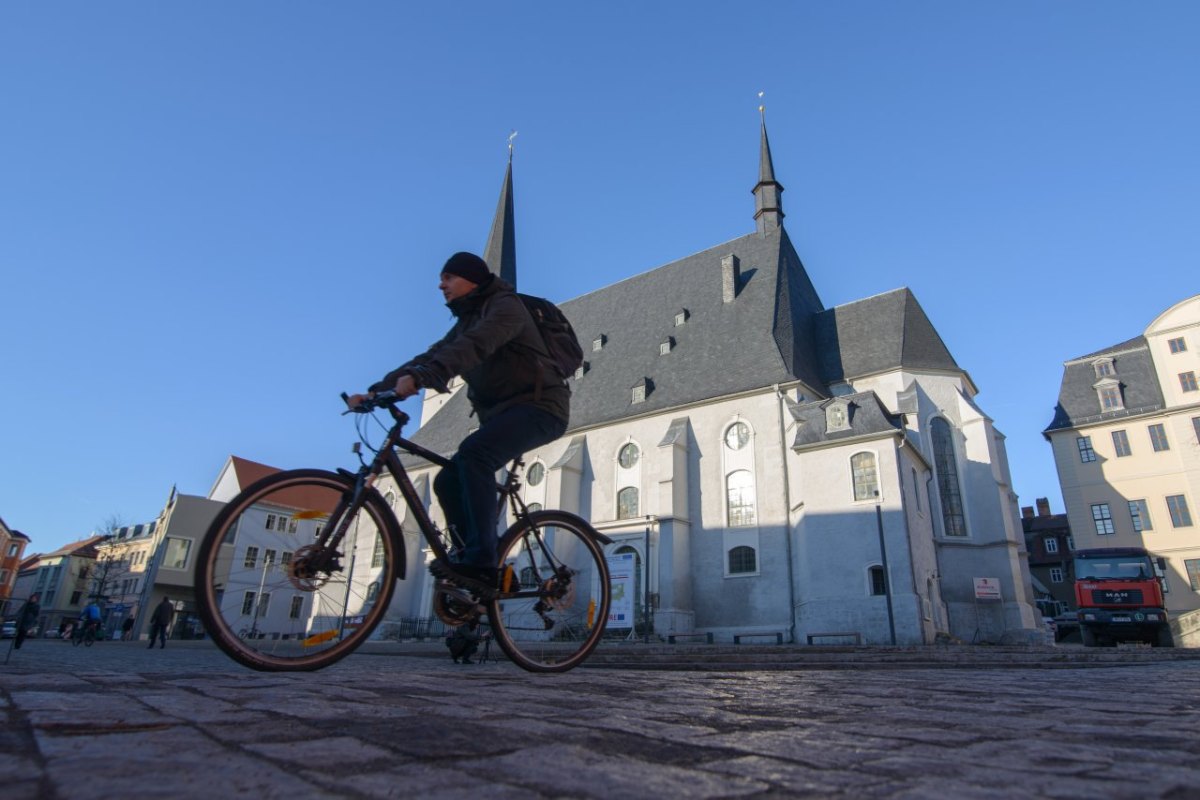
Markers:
point(216, 216)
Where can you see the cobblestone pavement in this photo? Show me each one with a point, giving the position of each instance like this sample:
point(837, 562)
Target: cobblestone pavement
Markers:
point(120, 721)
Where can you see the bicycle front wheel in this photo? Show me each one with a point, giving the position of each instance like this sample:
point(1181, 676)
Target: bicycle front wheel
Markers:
point(557, 615)
point(271, 596)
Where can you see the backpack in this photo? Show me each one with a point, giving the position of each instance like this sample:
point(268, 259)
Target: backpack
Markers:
point(562, 345)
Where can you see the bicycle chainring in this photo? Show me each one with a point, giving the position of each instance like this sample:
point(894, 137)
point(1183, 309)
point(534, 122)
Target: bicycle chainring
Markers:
point(454, 606)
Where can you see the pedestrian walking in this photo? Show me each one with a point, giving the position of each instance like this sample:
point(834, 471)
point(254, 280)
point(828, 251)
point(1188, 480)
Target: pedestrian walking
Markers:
point(126, 627)
point(27, 618)
point(160, 622)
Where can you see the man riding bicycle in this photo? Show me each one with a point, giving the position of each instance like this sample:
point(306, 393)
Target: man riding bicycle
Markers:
point(520, 400)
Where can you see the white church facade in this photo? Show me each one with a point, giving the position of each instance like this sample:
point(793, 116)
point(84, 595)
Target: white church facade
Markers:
point(779, 470)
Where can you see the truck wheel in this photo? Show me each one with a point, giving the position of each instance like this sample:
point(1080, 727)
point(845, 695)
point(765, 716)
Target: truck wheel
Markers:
point(1164, 637)
point(1087, 635)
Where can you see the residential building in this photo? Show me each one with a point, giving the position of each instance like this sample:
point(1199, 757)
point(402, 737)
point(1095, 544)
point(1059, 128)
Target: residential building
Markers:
point(1050, 546)
point(1125, 440)
point(122, 565)
point(773, 465)
point(63, 579)
point(12, 551)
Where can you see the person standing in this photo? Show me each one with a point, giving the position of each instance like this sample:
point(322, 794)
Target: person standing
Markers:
point(160, 622)
point(126, 627)
point(27, 618)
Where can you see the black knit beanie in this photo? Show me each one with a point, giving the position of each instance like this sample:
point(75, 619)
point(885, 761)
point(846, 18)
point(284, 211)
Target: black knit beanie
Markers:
point(468, 266)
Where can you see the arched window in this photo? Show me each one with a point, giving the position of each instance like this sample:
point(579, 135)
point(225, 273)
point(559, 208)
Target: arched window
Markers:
point(878, 581)
point(946, 464)
point(533, 507)
point(740, 493)
point(536, 473)
point(372, 592)
point(627, 503)
point(528, 577)
point(866, 477)
point(628, 456)
point(742, 559)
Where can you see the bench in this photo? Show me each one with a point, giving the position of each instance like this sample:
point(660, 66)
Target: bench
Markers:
point(855, 635)
point(708, 637)
point(737, 637)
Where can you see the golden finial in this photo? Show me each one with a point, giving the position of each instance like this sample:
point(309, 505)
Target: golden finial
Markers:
point(762, 109)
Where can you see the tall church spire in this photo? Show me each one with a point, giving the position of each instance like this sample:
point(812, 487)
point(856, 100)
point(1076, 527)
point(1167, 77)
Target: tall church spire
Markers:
point(768, 200)
point(501, 251)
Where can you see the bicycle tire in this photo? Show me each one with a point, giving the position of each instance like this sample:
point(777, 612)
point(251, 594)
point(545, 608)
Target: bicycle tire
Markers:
point(542, 550)
point(320, 619)
point(89, 638)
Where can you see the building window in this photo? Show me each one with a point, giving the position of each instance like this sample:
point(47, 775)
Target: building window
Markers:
point(1192, 565)
point(681, 317)
point(1110, 398)
point(248, 604)
point(1158, 438)
point(1121, 444)
point(737, 436)
point(639, 393)
point(1056, 575)
point(176, 556)
point(580, 370)
point(1104, 368)
point(953, 517)
point(377, 552)
point(532, 507)
point(1177, 345)
point(286, 558)
point(866, 479)
point(739, 487)
point(536, 473)
point(1139, 513)
point(270, 522)
point(1051, 544)
point(742, 559)
point(1196, 428)
point(628, 456)
point(1070, 543)
point(1187, 381)
point(297, 605)
point(1103, 518)
point(268, 557)
point(372, 591)
point(1180, 516)
point(1086, 453)
point(75, 597)
point(251, 558)
point(665, 347)
point(878, 580)
point(264, 603)
point(598, 343)
point(627, 503)
point(292, 525)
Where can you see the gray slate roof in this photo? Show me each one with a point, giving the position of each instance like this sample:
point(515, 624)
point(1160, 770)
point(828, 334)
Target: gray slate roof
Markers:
point(867, 418)
point(776, 330)
point(1078, 403)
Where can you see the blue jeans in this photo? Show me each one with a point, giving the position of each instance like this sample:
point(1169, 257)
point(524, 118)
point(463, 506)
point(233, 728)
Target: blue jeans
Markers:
point(466, 489)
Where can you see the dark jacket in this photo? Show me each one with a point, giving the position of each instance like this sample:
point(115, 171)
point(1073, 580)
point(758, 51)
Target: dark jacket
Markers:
point(162, 614)
point(497, 349)
point(29, 613)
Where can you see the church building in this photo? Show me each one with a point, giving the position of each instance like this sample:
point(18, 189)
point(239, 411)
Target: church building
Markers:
point(775, 470)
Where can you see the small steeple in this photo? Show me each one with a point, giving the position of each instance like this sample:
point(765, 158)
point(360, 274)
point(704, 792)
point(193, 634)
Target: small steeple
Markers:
point(501, 251)
point(768, 200)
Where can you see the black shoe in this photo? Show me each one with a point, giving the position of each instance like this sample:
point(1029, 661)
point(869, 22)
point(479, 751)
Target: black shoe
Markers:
point(481, 580)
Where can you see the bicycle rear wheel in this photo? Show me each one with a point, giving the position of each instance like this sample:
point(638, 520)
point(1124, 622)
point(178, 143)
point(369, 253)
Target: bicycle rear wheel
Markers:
point(557, 616)
point(271, 597)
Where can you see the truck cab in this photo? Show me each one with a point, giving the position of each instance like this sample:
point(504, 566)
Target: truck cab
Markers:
point(1119, 594)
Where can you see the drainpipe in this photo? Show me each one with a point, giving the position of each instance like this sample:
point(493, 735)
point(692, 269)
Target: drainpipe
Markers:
point(912, 563)
point(787, 516)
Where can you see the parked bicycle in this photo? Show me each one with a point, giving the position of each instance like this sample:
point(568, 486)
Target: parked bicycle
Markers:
point(310, 560)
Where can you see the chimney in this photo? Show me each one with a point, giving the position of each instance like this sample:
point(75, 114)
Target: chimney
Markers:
point(731, 274)
point(1026, 512)
point(1043, 507)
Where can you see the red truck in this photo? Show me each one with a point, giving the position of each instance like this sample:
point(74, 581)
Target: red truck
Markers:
point(1119, 594)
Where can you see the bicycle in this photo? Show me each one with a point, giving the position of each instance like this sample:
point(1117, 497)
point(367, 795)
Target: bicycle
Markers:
point(84, 634)
point(333, 545)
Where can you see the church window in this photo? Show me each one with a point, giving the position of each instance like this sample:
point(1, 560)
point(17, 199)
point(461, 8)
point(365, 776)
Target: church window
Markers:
point(878, 580)
point(628, 456)
point(372, 591)
point(536, 473)
point(837, 417)
point(954, 518)
point(377, 552)
point(639, 393)
point(598, 343)
point(681, 317)
point(866, 477)
point(740, 493)
point(742, 559)
point(627, 503)
point(665, 347)
point(737, 436)
point(581, 370)
point(532, 507)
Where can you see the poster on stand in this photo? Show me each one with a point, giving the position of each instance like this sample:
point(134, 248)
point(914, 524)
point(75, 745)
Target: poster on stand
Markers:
point(621, 578)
